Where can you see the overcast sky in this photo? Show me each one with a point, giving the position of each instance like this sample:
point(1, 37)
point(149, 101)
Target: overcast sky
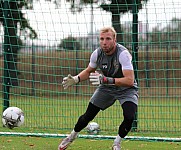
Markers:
point(54, 24)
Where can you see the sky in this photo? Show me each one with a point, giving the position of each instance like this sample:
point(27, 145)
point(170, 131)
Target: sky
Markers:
point(54, 24)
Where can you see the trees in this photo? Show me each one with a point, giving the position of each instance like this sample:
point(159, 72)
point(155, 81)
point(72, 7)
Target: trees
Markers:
point(116, 7)
point(15, 16)
point(167, 37)
point(10, 16)
point(70, 43)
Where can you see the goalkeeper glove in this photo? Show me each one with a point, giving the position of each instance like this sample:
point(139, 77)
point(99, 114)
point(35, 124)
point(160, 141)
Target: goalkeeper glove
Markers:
point(97, 79)
point(69, 81)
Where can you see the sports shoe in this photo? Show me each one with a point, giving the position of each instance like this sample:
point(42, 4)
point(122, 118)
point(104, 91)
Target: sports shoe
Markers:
point(116, 147)
point(65, 143)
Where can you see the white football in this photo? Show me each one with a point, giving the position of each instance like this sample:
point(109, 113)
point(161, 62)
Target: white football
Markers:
point(13, 117)
point(93, 128)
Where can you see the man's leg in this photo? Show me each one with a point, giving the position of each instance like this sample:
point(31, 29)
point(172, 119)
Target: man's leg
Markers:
point(82, 122)
point(129, 110)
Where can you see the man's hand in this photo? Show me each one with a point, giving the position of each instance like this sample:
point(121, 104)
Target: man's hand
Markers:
point(97, 79)
point(69, 81)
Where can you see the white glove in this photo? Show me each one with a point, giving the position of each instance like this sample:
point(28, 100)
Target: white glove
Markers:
point(69, 81)
point(97, 79)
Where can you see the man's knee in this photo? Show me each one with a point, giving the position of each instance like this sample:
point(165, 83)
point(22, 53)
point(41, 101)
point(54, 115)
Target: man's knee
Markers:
point(129, 111)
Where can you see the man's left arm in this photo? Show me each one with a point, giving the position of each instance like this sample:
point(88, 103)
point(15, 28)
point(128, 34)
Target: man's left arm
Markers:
point(125, 60)
point(127, 80)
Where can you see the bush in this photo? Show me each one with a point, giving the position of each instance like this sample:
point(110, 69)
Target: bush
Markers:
point(70, 43)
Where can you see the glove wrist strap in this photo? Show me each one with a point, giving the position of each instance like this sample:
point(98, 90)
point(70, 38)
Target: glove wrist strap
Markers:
point(76, 79)
point(108, 80)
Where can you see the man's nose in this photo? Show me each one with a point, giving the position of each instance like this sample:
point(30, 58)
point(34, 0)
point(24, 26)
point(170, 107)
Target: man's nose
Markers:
point(104, 42)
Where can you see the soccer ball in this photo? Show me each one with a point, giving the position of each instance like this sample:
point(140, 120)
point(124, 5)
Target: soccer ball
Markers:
point(13, 117)
point(93, 128)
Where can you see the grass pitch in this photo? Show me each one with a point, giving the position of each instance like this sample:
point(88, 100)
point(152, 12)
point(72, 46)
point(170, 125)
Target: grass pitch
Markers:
point(39, 143)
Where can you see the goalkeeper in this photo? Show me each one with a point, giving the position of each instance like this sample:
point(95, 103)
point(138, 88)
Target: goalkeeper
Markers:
point(115, 81)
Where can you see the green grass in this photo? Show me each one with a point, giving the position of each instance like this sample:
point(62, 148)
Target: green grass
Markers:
point(39, 143)
point(61, 113)
point(156, 118)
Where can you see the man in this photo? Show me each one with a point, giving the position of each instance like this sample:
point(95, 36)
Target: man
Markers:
point(115, 81)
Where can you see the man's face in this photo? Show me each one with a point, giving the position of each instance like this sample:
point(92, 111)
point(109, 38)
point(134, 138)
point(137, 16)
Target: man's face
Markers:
point(107, 42)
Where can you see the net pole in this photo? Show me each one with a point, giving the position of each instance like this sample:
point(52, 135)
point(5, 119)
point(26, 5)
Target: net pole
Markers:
point(135, 49)
point(6, 80)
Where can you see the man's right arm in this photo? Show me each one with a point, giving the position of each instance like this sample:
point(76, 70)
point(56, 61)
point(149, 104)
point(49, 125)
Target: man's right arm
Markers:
point(84, 75)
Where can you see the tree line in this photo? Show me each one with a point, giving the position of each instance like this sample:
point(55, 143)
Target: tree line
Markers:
point(159, 37)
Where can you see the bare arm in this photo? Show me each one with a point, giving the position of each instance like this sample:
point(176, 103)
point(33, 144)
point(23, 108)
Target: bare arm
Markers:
point(72, 80)
point(84, 75)
point(127, 80)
